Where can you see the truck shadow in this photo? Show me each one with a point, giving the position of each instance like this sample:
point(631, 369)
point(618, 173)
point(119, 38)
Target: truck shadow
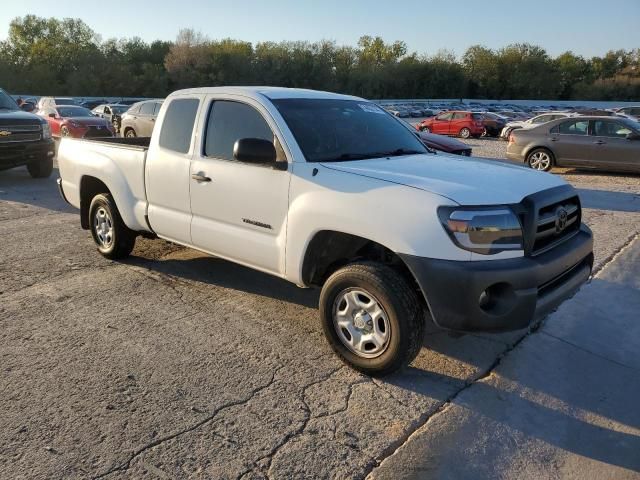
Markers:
point(16, 185)
point(221, 273)
point(610, 200)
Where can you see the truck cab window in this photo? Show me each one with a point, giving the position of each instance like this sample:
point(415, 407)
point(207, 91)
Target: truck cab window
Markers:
point(177, 126)
point(230, 121)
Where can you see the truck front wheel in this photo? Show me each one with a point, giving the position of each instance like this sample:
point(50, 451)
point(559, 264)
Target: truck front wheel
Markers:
point(372, 318)
point(114, 239)
point(41, 168)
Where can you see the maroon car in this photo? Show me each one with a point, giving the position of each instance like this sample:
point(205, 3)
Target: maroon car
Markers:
point(445, 144)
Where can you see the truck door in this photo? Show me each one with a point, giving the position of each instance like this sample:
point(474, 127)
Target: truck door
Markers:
point(239, 209)
point(167, 171)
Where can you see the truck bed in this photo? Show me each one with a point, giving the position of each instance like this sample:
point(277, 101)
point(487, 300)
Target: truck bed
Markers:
point(119, 163)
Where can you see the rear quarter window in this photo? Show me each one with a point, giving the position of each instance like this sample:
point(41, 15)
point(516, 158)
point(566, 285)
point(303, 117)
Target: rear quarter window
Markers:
point(177, 126)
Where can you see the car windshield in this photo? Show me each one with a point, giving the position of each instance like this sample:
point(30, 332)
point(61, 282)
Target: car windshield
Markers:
point(66, 112)
point(119, 108)
point(6, 102)
point(330, 130)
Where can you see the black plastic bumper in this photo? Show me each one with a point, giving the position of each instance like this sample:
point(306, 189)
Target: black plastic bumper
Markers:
point(516, 290)
point(18, 154)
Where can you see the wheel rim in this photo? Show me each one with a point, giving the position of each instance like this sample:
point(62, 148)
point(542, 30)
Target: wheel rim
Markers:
point(103, 226)
point(484, 132)
point(361, 323)
point(426, 129)
point(64, 132)
point(540, 161)
point(464, 133)
point(130, 133)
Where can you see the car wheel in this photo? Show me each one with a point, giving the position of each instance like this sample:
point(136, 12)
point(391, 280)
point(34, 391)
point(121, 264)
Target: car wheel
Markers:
point(485, 132)
point(540, 159)
point(64, 131)
point(425, 129)
point(130, 133)
point(372, 318)
point(114, 239)
point(41, 168)
point(465, 132)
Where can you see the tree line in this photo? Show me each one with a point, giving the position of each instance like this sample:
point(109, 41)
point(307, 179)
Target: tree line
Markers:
point(48, 56)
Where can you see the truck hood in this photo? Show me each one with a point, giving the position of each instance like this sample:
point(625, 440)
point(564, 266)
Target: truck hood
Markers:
point(461, 179)
point(19, 117)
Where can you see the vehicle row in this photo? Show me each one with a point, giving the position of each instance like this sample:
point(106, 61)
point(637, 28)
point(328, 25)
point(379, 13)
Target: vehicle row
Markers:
point(68, 118)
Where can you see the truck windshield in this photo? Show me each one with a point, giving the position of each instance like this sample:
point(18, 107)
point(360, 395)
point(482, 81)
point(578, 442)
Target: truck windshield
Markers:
point(330, 130)
point(6, 102)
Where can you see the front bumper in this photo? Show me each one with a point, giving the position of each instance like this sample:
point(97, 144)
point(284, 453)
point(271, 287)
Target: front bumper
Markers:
point(520, 289)
point(21, 153)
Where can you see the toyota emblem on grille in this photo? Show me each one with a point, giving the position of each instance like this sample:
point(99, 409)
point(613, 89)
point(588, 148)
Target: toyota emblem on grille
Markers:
point(561, 219)
point(4, 133)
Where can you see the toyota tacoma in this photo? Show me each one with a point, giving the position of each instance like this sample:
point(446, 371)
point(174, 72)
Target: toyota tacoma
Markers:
point(331, 191)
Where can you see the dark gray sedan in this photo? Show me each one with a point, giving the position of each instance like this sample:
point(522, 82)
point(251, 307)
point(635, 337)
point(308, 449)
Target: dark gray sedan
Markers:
point(606, 143)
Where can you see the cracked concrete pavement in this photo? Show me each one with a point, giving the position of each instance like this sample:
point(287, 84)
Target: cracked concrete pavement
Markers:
point(173, 364)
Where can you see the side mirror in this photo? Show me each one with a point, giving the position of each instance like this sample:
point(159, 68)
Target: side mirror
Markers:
point(633, 136)
point(257, 151)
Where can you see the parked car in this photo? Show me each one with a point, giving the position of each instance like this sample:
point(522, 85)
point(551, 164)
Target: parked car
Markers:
point(463, 124)
point(112, 112)
point(75, 121)
point(493, 124)
point(140, 119)
point(607, 143)
point(633, 112)
point(25, 139)
point(445, 144)
point(532, 122)
point(274, 178)
point(52, 102)
point(91, 104)
point(128, 101)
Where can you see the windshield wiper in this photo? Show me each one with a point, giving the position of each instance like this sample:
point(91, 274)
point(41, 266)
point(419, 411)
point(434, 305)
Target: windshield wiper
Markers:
point(399, 152)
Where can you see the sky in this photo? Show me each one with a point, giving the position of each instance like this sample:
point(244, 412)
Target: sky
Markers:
point(586, 27)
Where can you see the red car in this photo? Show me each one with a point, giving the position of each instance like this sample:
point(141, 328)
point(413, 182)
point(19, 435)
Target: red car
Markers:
point(463, 124)
point(77, 122)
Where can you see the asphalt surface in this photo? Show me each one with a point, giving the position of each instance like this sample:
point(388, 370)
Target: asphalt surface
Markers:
point(173, 364)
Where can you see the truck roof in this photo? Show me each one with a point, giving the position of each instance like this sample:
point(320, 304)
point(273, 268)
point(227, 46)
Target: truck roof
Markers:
point(269, 92)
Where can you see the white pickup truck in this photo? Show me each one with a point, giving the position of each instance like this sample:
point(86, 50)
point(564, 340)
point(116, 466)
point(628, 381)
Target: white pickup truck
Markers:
point(331, 191)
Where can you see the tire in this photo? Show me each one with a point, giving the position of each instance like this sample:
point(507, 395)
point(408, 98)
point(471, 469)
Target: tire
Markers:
point(113, 238)
point(130, 133)
point(540, 159)
point(465, 132)
point(398, 325)
point(425, 129)
point(64, 131)
point(41, 168)
point(485, 132)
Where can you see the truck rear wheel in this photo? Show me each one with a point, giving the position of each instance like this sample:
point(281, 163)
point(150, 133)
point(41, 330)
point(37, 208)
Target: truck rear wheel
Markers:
point(372, 318)
point(41, 168)
point(114, 239)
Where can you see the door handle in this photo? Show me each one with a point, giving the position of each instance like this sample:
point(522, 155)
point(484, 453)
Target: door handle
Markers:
point(200, 177)
point(599, 142)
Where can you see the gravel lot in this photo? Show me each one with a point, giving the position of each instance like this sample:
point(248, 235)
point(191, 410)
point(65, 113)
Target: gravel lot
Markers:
point(174, 364)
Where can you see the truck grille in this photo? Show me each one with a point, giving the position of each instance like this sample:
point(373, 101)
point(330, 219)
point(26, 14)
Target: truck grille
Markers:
point(556, 223)
point(20, 133)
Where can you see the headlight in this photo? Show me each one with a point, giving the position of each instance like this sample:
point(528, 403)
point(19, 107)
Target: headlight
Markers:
point(483, 230)
point(46, 131)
